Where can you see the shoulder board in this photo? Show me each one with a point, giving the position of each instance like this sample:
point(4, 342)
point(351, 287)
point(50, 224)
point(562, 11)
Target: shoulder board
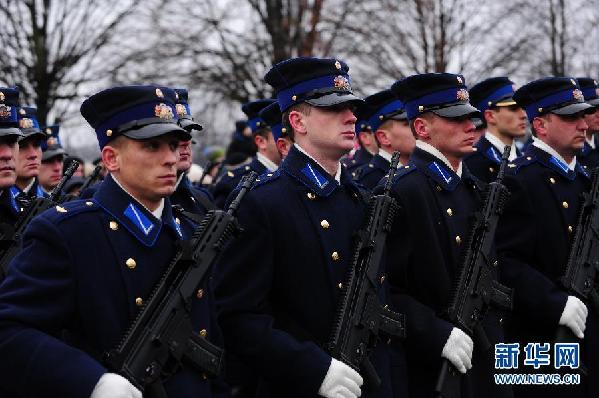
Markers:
point(517, 164)
point(266, 178)
point(64, 211)
point(404, 171)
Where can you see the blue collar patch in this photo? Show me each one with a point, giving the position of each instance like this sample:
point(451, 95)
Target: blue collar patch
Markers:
point(314, 175)
point(493, 154)
point(14, 192)
point(447, 178)
point(139, 219)
point(562, 168)
point(309, 173)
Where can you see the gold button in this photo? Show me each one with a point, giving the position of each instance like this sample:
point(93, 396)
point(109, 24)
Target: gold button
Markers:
point(139, 302)
point(570, 229)
point(492, 170)
point(294, 97)
point(230, 173)
point(131, 264)
point(565, 204)
point(584, 167)
point(449, 212)
point(528, 158)
point(269, 175)
point(382, 279)
point(511, 165)
point(89, 203)
point(177, 220)
point(406, 167)
point(108, 133)
point(552, 180)
point(324, 224)
point(204, 376)
point(203, 333)
point(438, 188)
point(113, 225)
point(335, 256)
point(61, 209)
point(458, 240)
point(200, 293)
point(370, 165)
point(340, 285)
point(311, 196)
point(247, 168)
point(501, 321)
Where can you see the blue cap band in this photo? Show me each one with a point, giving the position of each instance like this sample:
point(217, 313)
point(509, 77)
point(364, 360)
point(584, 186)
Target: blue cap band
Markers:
point(440, 97)
point(284, 97)
point(551, 102)
point(495, 97)
point(375, 120)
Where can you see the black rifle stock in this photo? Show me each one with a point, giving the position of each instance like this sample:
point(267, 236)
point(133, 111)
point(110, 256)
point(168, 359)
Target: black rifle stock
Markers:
point(11, 235)
point(360, 315)
point(580, 276)
point(161, 336)
point(475, 288)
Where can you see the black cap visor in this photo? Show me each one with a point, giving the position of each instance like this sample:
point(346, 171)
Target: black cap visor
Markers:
point(594, 102)
point(6, 131)
point(333, 99)
point(28, 133)
point(53, 152)
point(456, 111)
point(401, 115)
point(156, 130)
point(189, 124)
point(571, 109)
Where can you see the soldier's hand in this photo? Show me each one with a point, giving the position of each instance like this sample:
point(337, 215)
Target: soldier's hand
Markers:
point(112, 385)
point(341, 381)
point(574, 316)
point(458, 350)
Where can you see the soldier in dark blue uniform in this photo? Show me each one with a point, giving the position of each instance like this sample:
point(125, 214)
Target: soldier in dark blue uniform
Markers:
point(504, 121)
point(387, 118)
point(30, 155)
point(9, 134)
point(367, 146)
point(88, 265)
point(278, 284)
point(437, 195)
point(535, 232)
point(191, 199)
point(53, 155)
point(267, 156)
point(589, 154)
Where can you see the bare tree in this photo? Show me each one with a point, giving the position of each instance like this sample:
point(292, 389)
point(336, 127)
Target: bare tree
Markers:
point(50, 48)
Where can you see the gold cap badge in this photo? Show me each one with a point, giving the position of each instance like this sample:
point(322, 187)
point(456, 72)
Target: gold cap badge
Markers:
point(163, 111)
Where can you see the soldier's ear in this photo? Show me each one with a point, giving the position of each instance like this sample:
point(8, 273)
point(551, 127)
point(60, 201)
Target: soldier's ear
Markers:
point(297, 122)
point(421, 127)
point(489, 116)
point(539, 125)
point(110, 158)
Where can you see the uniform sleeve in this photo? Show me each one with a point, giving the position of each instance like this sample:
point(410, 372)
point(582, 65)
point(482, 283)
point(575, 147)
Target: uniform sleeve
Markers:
point(426, 333)
point(536, 297)
point(36, 302)
point(244, 278)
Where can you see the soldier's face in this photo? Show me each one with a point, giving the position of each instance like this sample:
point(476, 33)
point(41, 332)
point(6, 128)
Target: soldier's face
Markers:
point(510, 120)
point(29, 159)
point(185, 157)
point(592, 120)
point(565, 134)
point(8, 153)
point(400, 136)
point(268, 147)
point(146, 168)
point(331, 129)
point(50, 172)
point(452, 137)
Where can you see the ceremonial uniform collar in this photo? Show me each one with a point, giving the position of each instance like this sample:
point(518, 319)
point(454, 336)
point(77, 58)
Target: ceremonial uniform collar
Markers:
point(10, 198)
point(385, 155)
point(337, 174)
point(591, 142)
point(266, 162)
point(552, 162)
point(437, 170)
point(137, 219)
point(380, 161)
point(546, 148)
point(586, 148)
point(499, 145)
point(437, 154)
point(306, 170)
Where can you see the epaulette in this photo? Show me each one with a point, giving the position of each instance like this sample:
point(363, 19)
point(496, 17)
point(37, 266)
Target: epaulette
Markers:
point(266, 178)
point(514, 166)
point(403, 171)
point(64, 211)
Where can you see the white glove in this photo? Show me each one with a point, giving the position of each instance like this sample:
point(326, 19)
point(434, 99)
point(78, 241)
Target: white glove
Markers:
point(458, 350)
point(341, 381)
point(112, 385)
point(574, 316)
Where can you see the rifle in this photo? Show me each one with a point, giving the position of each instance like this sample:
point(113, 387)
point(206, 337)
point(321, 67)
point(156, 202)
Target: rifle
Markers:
point(11, 235)
point(475, 288)
point(360, 315)
point(161, 336)
point(580, 276)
